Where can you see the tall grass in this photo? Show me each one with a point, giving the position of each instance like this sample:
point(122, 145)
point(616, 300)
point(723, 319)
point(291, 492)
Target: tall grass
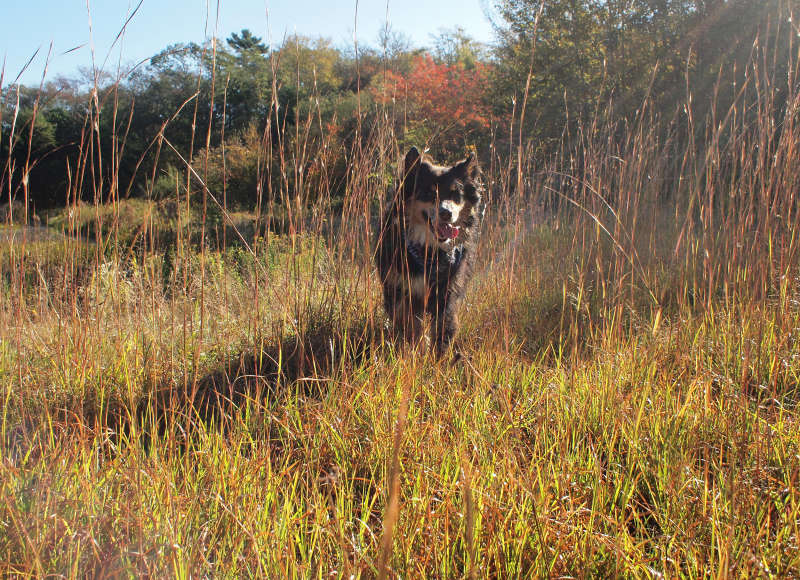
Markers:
point(192, 391)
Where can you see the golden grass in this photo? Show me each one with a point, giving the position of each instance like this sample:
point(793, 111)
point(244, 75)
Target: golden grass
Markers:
point(627, 406)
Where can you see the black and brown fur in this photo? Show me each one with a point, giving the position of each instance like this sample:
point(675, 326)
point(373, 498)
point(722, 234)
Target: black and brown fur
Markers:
point(426, 246)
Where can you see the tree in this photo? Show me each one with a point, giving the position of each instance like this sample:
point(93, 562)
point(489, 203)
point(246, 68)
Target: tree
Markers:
point(584, 54)
point(437, 102)
point(245, 76)
point(561, 48)
point(246, 42)
point(454, 46)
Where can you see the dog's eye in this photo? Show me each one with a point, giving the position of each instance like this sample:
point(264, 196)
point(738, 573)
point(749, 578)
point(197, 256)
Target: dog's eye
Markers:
point(457, 191)
point(471, 194)
point(454, 195)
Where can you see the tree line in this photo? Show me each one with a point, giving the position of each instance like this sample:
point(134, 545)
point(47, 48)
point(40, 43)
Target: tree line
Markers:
point(236, 108)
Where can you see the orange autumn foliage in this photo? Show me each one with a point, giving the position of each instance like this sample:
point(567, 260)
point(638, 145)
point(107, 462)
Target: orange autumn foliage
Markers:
point(443, 98)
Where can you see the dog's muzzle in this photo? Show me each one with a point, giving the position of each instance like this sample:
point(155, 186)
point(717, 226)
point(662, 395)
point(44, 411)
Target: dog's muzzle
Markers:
point(446, 231)
point(442, 227)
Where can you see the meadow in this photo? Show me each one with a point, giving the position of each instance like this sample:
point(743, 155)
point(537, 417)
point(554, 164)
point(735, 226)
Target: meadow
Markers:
point(196, 391)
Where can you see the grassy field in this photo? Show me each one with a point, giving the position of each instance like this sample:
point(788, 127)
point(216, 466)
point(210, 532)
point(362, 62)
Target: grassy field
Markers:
point(189, 400)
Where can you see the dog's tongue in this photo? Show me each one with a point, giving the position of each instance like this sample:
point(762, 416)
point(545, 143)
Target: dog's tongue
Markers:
point(447, 231)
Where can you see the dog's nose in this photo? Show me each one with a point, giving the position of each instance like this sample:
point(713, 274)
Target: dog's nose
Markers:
point(445, 214)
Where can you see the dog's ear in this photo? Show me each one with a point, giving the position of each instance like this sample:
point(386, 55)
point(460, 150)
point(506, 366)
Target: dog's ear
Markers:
point(410, 170)
point(412, 161)
point(468, 168)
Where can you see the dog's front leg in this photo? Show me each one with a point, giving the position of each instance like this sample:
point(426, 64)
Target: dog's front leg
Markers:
point(445, 325)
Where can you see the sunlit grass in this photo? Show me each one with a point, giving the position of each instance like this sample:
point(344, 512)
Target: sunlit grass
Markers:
point(189, 393)
point(647, 457)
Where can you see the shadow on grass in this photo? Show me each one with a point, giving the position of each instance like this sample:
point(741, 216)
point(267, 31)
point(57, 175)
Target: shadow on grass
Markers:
point(263, 378)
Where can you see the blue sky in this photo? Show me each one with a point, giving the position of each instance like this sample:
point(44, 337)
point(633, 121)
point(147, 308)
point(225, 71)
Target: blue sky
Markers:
point(34, 24)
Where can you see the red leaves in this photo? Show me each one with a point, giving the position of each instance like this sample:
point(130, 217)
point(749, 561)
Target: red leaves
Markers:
point(440, 96)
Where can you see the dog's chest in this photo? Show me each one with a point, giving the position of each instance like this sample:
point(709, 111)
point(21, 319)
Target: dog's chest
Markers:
point(419, 286)
point(431, 269)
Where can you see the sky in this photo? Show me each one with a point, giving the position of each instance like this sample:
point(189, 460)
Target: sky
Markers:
point(80, 36)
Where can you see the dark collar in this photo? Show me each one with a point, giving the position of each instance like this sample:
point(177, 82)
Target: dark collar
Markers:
point(418, 254)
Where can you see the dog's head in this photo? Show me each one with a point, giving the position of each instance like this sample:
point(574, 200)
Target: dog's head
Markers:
point(441, 204)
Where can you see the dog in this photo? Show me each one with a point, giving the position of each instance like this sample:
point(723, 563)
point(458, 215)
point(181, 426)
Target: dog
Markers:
point(426, 246)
